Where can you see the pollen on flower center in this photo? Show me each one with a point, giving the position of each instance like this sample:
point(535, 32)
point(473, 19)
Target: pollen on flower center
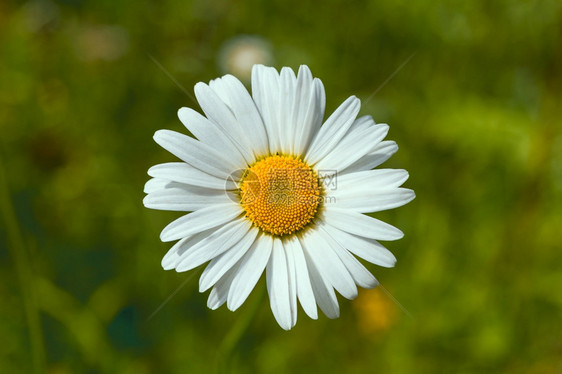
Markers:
point(280, 194)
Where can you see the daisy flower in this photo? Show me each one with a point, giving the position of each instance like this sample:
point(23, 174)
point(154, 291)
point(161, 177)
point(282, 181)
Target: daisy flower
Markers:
point(272, 188)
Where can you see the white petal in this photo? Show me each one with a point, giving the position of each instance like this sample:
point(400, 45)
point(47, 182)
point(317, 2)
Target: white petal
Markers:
point(184, 173)
point(361, 123)
point(278, 285)
point(313, 115)
point(292, 106)
point(328, 264)
point(304, 289)
point(200, 220)
point(333, 130)
point(303, 108)
point(323, 290)
point(292, 275)
point(251, 268)
point(222, 263)
point(171, 258)
point(211, 134)
point(219, 293)
point(219, 88)
point(368, 249)
point(219, 113)
point(266, 94)
point(369, 180)
point(361, 126)
point(216, 243)
point(287, 126)
point(360, 224)
point(361, 276)
point(382, 152)
point(186, 198)
point(155, 184)
point(353, 146)
point(195, 153)
point(374, 201)
point(246, 113)
point(178, 251)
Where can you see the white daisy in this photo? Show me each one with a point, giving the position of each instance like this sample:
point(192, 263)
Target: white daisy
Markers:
point(270, 187)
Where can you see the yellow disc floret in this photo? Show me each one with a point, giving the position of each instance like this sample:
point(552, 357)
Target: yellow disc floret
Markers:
point(280, 194)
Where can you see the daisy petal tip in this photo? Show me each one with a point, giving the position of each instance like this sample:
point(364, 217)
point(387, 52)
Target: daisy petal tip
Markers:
point(145, 202)
point(167, 265)
point(157, 135)
point(287, 70)
point(182, 267)
point(410, 195)
point(336, 315)
point(304, 69)
point(161, 132)
point(153, 170)
point(203, 286)
point(231, 78)
point(352, 104)
point(200, 85)
point(283, 318)
point(413, 194)
point(213, 305)
point(384, 128)
point(147, 187)
point(162, 136)
point(406, 174)
point(205, 283)
point(234, 301)
point(258, 69)
point(232, 307)
point(164, 237)
point(200, 88)
point(182, 113)
point(373, 284)
point(215, 81)
point(285, 325)
point(392, 233)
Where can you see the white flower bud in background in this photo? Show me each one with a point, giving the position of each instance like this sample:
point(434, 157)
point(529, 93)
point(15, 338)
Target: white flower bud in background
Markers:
point(238, 54)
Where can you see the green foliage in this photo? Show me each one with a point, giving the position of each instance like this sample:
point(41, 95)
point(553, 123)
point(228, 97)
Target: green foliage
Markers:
point(476, 113)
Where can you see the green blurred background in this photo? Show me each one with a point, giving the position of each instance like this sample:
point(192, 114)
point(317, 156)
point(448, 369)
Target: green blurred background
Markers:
point(475, 108)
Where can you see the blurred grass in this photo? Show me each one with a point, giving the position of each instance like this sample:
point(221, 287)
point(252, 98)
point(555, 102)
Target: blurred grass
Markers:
point(476, 114)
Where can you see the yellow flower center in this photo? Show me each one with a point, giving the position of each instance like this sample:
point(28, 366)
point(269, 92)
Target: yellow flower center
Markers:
point(280, 194)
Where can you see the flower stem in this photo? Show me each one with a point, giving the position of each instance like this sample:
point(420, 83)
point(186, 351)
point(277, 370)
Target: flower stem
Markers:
point(237, 331)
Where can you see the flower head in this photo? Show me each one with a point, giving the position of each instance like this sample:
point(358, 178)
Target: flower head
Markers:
point(270, 187)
